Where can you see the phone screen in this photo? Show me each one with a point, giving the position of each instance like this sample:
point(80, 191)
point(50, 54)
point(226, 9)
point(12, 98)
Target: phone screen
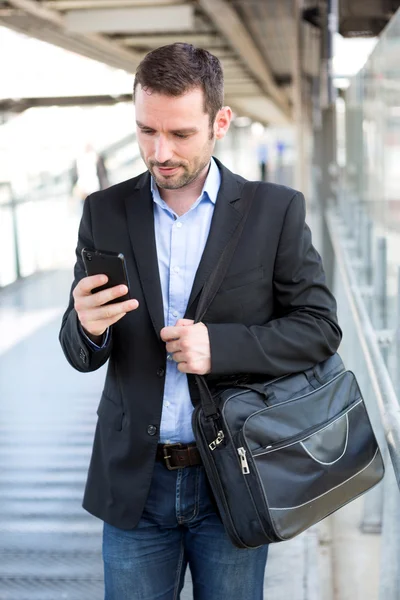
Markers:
point(112, 264)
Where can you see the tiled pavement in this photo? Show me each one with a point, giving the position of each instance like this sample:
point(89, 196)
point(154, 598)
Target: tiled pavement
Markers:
point(49, 546)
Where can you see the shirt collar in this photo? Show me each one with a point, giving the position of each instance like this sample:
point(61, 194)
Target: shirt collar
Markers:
point(210, 189)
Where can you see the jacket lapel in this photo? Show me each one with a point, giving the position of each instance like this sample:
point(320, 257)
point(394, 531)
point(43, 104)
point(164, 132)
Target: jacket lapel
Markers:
point(228, 213)
point(227, 216)
point(140, 215)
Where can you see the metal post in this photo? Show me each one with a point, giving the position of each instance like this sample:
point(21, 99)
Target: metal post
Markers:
point(355, 137)
point(360, 229)
point(389, 583)
point(397, 337)
point(297, 95)
point(373, 504)
point(380, 286)
point(328, 188)
point(367, 250)
point(15, 235)
point(366, 256)
point(373, 501)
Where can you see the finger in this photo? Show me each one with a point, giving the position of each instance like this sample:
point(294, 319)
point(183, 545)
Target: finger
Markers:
point(105, 313)
point(179, 357)
point(190, 369)
point(100, 298)
point(169, 333)
point(184, 322)
point(172, 347)
point(87, 284)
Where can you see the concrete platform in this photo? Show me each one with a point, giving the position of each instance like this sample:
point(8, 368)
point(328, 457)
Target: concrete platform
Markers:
point(49, 546)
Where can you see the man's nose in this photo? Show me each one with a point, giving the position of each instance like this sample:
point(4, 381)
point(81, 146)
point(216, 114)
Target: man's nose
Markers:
point(163, 150)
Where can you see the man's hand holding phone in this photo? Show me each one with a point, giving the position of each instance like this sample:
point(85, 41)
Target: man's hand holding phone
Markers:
point(94, 317)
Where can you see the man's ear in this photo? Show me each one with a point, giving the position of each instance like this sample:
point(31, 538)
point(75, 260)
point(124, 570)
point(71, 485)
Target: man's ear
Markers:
point(222, 122)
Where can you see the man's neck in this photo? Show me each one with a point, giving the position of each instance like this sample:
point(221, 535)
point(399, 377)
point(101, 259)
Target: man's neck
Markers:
point(182, 199)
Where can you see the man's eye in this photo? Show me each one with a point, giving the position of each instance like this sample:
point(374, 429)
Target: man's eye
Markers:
point(182, 136)
point(147, 131)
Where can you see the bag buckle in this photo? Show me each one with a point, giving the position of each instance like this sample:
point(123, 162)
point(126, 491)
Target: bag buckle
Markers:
point(168, 456)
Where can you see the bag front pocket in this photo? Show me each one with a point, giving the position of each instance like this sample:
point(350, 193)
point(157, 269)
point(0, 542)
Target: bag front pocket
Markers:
point(308, 476)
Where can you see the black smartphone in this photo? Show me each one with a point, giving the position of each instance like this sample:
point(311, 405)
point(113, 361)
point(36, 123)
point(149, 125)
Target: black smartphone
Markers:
point(112, 264)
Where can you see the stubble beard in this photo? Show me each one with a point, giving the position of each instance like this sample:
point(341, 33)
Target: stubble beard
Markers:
point(187, 177)
point(173, 183)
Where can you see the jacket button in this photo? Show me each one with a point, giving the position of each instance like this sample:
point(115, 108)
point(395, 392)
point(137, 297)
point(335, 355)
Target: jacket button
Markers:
point(161, 372)
point(152, 430)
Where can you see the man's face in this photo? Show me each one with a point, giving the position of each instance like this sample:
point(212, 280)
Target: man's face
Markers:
point(175, 137)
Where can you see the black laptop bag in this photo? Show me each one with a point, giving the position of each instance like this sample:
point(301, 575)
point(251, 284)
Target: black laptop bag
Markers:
point(282, 454)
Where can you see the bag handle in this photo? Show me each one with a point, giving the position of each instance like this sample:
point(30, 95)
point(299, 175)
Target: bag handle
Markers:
point(212, 286)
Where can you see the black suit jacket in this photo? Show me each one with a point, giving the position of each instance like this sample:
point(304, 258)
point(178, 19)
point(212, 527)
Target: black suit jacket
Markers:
point(273, 315)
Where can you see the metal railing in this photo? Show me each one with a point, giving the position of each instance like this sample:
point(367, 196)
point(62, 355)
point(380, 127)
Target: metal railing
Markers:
point(371, 350)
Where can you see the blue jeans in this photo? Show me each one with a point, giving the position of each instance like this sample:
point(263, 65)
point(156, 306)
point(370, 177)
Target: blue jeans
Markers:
point(179, 527)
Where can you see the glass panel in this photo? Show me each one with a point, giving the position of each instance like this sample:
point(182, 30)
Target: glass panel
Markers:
point(5, 193)
point(8, 268)
point(372, 179)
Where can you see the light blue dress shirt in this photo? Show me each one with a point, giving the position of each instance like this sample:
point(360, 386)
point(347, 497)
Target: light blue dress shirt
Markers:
point(180, 244)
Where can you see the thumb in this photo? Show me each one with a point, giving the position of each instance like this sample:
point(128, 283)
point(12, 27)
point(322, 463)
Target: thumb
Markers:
point(184, 322)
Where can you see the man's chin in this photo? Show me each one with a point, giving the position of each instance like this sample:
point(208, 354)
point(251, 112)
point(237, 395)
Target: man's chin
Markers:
point(170, 183)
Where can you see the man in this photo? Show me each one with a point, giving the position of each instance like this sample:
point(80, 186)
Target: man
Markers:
point(272, 315)
point(89, 173)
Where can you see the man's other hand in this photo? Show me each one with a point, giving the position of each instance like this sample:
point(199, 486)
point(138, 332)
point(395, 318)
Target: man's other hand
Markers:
point(189, 346)
point(93, 316)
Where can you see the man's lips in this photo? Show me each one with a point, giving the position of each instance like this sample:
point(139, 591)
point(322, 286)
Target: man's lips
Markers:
point(167, 170)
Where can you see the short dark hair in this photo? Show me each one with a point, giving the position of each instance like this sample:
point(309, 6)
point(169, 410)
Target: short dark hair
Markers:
point(178, 68)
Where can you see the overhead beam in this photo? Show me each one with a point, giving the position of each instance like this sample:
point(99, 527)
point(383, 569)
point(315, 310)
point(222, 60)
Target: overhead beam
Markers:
point(127, 20)
point(241, 91)
point(49, 27)
point(204, 40)
point(36, 10)
point(260, 108)
point(17, 106)
point(95, 49)
point(62, 5)
point(229, 23)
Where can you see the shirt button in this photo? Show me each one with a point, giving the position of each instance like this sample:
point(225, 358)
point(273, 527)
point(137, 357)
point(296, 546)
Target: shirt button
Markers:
point(167, 404)
point(169, 357)
point(175, 313)
point(161, 372)
point(152, 430)
point(176, 269)
point(179, 225)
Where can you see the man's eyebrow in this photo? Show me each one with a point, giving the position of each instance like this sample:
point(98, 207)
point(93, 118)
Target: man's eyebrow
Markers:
point(142, 126)
point(183, 131)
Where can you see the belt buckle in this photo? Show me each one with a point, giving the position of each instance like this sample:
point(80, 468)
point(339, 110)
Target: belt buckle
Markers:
point(168, 456)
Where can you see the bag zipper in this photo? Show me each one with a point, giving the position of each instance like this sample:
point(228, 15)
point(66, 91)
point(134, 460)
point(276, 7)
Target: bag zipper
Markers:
point(210, 470)
point(243, 461)
point(255, 473)
point(306, 433)
point(218, 440)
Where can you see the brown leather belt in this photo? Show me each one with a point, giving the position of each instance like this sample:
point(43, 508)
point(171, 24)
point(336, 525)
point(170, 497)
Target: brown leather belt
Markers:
point(178, 456)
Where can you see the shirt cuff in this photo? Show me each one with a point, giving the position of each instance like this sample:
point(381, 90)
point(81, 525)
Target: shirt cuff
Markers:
point(94, 346)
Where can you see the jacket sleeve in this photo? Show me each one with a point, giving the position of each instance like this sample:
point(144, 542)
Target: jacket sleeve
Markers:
point(80, 353)
point(305, 330)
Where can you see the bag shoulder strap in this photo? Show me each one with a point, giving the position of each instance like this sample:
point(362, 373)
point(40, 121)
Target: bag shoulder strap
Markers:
point(212, 285)
point(217, 275)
